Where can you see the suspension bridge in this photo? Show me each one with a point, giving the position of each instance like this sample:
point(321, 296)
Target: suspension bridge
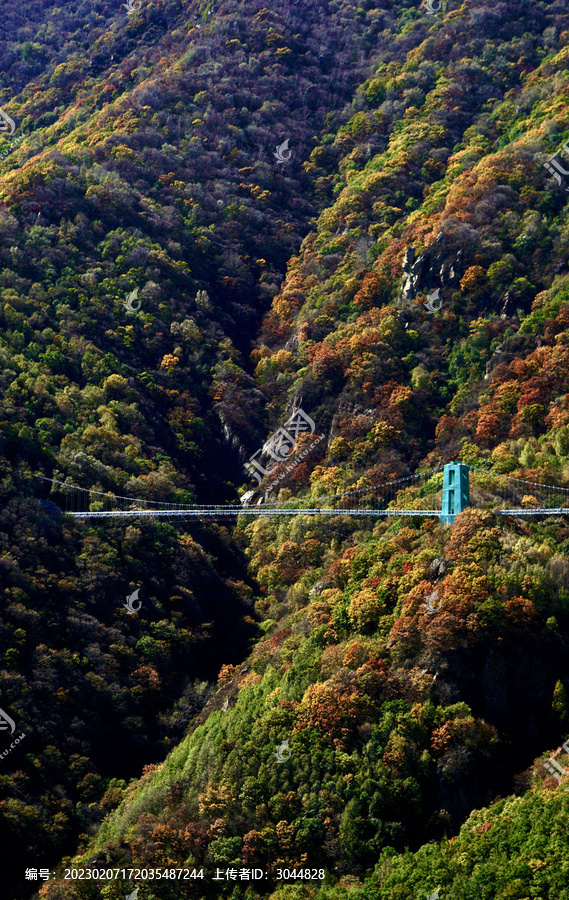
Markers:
point(442, 493)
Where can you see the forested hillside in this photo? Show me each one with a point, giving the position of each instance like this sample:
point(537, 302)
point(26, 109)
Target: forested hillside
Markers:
point(172, 290)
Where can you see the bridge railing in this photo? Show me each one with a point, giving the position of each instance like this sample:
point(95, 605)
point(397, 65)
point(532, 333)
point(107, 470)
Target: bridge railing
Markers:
point(502, 493)
point(414, 495)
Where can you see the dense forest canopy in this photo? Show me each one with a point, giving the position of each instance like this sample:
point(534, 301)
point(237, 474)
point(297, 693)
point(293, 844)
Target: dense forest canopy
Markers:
point(213, 215)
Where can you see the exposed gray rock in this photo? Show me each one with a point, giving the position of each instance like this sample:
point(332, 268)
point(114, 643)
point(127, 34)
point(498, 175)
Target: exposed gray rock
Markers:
point(436, 266)
point(439, 567)
point(317, 589)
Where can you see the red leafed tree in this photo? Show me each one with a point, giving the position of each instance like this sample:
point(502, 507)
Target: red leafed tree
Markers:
point(325, 362)
point(253, 845)
point(371, 291)
point(488, 426)
point(330, 708)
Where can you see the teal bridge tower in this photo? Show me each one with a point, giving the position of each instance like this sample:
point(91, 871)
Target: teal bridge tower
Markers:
point(456, 491)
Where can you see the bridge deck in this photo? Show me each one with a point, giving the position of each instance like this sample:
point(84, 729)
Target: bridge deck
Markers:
point(259, 511)
point(255, 511)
